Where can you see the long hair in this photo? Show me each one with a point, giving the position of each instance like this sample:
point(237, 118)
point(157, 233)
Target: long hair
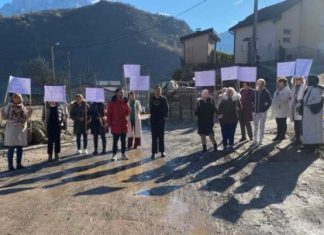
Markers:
point(19, 96)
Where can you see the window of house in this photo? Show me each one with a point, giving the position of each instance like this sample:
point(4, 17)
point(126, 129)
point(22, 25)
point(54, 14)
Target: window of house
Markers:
point(286, 40)
point(321, 48)
point(287, 31)
point(321, 23)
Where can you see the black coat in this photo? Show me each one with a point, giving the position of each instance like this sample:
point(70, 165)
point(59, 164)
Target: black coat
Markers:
point(60, 122)
point(261, 101)
point(159, 109)
point(79, 127)
point(229, 109)
point(97, 113)
point(205, 112)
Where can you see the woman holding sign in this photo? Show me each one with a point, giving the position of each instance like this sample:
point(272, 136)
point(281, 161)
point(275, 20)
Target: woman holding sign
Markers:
point(246, 113)
point(280, 107)
point(16, 129)
point(54, 118)
point(98, 125)
point(159, 110)
point(134, 122)
point(205, 112)
point(118, 112)
point(261, 104)
point(297, 94)
point(80, 118)
point(229, 112)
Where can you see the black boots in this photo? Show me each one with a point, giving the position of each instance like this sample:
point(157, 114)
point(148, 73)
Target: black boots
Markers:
point(204, 148)
point(57, 157)
point(50, 158)
point(215, 147)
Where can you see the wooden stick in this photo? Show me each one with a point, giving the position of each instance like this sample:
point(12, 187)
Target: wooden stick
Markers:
point(30, 106)
point(86, 116)
point(5, 99)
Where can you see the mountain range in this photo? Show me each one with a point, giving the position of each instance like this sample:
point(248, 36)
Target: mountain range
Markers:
point(99, 38)
point(18, 7)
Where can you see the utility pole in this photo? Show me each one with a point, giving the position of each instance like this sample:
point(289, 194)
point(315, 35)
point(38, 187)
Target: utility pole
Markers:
point(254, 37)
point(53, 63)
point(53, 60)
point(68, 82)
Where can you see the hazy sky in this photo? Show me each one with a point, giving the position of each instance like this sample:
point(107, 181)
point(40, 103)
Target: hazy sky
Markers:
point(219, 14)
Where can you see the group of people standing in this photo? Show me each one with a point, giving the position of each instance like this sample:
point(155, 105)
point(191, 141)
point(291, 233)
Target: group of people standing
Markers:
point(302, 104)
point(121, 117)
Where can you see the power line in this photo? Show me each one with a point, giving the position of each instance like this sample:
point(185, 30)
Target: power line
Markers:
point(136, 33)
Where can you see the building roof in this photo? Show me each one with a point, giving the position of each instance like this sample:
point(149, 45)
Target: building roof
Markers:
point(210, 31)
point(267, 13)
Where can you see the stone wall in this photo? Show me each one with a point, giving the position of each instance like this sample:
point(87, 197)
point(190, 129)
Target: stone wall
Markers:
point(182, 104)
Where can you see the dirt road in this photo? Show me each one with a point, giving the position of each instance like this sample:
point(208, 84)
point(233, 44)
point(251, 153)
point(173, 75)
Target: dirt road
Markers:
point(269, 190)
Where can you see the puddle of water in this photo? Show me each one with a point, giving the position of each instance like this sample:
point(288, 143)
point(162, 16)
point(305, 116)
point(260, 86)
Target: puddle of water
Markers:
point(144, 193)
point(158, 191)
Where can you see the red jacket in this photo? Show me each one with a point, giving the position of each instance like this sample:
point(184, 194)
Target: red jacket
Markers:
point(118, 110)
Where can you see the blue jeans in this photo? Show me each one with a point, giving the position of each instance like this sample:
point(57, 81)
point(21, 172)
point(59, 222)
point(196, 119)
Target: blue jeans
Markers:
point(10, 154)
point(229, 132)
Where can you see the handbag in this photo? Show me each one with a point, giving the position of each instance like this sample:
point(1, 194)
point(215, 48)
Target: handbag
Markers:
point(317, 107)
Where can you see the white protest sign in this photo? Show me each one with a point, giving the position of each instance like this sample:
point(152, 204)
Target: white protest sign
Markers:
point(19, 85)
point(132, 70)
point(54, 94)
point(140, 83)
point(95, 95)
point(286, 69)
point(205, 78)
point(229, 73)
point(303, 67)
point(247, 74)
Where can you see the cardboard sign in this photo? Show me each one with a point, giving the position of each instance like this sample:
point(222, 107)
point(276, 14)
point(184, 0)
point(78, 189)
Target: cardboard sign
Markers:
point(132, 70)
point(54, 94)
point(247, 74)
point(140, 83)
point(205, 78)
point(303, 67)
point(286, 69)
point(19, 85)
point(95, 95)
point(229, 73)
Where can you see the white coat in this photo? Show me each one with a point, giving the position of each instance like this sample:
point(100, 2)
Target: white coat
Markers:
point(280, 103)
point(138, 122)
point(15, 130)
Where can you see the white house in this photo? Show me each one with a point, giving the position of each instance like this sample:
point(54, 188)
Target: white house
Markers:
point(285, 31)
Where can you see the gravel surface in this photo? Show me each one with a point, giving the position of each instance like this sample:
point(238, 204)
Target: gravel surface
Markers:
point(272, 189)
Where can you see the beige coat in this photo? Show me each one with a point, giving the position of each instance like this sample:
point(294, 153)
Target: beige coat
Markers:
point(138, 123)
point(15, 131)
point(280, 103)
point(296, 103)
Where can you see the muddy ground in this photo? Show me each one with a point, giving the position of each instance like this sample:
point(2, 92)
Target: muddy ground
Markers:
point(272, 189)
